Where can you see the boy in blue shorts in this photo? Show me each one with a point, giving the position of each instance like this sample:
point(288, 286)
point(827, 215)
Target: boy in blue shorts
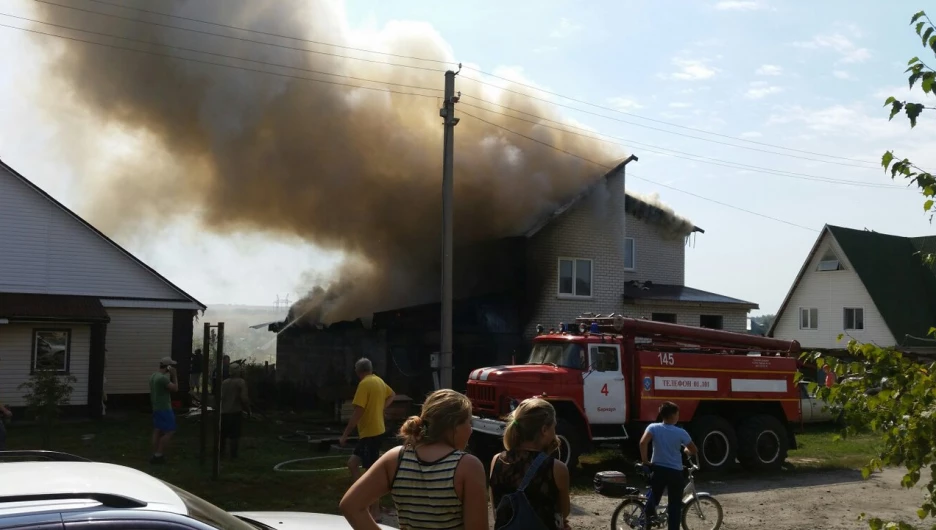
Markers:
point(162, 384)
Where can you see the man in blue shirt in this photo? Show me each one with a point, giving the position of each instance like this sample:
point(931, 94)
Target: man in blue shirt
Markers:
point(666, 464)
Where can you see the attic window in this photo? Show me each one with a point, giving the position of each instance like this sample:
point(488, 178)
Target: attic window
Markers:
point(830, 262)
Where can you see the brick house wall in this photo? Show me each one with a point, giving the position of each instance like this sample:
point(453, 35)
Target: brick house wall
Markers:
point(733, 319)
point(591, 229)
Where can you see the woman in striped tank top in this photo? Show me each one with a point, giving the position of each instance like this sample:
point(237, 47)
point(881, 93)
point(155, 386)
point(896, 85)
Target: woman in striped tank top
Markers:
point(434, 483)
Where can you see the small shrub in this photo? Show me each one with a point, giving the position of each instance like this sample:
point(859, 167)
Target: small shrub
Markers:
point(46, 392)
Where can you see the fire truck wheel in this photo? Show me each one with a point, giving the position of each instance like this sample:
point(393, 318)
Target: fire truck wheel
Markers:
point(716, 440)
point(570, 443)
point(764, 443)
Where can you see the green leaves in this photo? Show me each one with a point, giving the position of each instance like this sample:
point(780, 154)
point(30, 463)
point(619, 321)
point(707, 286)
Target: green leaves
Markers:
point(885, 163)
point(926, 34)
point(919, 27)
point(913, 111)
point(917, 16)
point(896, 106)
point(926, 207)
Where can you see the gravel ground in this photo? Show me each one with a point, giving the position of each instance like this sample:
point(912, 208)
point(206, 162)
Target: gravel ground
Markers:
point(830, 500)
point(822, 500)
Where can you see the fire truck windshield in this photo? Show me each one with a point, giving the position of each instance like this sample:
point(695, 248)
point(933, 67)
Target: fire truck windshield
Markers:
point(568, 355)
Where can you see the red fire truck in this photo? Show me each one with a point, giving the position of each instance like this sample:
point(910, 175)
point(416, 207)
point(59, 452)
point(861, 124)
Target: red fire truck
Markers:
point(608, 375)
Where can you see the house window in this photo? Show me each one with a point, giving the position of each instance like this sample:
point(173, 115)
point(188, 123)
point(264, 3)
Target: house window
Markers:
point(51, 350)
point(809, 318)
point(711, 321)
point(669, 318)
point(854, 318)
point(829, 262)
point(629, 248)
point(575, 277)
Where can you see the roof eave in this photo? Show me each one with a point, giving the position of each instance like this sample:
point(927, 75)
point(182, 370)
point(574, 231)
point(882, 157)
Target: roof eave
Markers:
point(799, 276)
point(81, 220)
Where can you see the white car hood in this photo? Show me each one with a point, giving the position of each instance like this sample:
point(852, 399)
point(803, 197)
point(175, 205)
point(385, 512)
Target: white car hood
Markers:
point(300, 520)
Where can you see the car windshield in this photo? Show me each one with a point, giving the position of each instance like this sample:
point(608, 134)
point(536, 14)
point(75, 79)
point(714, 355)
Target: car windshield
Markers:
point(202, 510)
point(566, 354)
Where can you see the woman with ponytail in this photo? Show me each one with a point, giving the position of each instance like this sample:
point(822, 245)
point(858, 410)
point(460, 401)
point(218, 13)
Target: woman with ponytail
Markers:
point(433, 482)
point(531, 431)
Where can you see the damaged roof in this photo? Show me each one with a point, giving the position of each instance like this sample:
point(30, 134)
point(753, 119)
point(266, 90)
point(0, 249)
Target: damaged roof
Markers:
point(633, 205)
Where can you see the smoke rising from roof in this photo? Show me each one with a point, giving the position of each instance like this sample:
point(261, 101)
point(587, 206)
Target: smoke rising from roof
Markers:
point(344, 168)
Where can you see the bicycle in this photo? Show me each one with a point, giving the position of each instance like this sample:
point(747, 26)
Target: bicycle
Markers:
point(697, 507)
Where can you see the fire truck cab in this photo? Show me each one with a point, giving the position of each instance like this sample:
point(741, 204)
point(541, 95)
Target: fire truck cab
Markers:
point(607, 376)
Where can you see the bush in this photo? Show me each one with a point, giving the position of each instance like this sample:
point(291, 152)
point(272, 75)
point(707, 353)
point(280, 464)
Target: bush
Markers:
point(45, 393)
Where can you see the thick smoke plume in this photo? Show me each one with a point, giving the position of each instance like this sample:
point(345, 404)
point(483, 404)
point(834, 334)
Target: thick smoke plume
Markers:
point(344, 168)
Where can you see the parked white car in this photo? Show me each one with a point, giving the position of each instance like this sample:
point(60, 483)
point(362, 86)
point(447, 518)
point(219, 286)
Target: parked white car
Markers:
point(814, 409)
point(58, 491)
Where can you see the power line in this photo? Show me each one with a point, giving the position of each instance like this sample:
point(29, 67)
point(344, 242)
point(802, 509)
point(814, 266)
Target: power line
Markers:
point(605, 166)
point(269, 34)
point(150, 43)
point(664, 130)
point(217, 24)
point(267, 72)
point(737, 138)
point(688, 156)
point(138, 21)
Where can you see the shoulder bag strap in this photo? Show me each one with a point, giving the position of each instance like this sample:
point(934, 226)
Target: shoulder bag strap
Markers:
point(531, 471)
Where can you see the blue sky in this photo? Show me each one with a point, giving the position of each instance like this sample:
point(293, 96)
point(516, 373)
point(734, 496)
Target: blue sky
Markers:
point(808, 76)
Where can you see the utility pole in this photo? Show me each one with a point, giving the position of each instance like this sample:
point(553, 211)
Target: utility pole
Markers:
point(449, 121)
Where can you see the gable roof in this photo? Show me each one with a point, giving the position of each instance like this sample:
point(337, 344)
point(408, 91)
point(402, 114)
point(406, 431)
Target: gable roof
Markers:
point(639, 208)
point(97, 232)
point(902, 288)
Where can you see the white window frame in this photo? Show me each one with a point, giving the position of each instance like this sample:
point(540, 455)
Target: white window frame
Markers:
point(633, 266)
point(812, 325)
point(591, 279)
point(844, 324)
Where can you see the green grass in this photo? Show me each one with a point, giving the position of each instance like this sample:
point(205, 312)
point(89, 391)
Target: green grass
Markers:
point(818, 449)
point(248, 483)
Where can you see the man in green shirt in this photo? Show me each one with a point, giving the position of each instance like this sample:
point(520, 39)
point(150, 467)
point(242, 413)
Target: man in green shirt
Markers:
point(162, 384)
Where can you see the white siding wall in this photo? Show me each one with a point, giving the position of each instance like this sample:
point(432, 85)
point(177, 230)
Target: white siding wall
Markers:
point(592, 230)
point(16, 359)
point(136, 340)
point(732, 319)
point(45, 250)
point(830, 292)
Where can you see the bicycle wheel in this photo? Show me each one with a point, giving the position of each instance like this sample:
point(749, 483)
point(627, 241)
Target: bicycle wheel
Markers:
point(629, 515)
point(704, 512)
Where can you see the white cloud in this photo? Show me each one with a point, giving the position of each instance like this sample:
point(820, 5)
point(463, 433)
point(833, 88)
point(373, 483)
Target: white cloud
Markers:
point(624, 103)
point(842, 74)
point(692, 70)
point(679, 105)
point(545, 49)
point(769, 69)
point(760, 89)
point(751, 134)
point(739, 5)
point(566, 28)
point(850, 52)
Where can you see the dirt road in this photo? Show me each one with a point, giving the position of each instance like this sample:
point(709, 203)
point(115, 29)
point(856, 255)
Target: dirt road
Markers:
point(807, 501)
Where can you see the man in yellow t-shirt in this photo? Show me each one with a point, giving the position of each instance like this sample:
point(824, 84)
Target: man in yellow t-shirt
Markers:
point(372, 397)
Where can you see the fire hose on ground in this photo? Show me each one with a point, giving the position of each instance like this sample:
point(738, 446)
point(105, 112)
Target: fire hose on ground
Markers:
point(310, 438)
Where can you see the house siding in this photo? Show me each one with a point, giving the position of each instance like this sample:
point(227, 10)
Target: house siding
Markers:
point(136, 340)
point(732, 319)
point(830, 292)
point(46, 250)
point(16, 360)
point(592, 230)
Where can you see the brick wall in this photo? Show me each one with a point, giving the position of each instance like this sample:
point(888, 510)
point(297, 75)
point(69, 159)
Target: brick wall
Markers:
point(592, 230)
point(733, 319)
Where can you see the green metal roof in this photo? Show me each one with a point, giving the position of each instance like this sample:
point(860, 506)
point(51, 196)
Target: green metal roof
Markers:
point(892, 271)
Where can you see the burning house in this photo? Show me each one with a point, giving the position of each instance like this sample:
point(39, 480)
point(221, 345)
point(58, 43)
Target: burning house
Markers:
point(601, 251)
